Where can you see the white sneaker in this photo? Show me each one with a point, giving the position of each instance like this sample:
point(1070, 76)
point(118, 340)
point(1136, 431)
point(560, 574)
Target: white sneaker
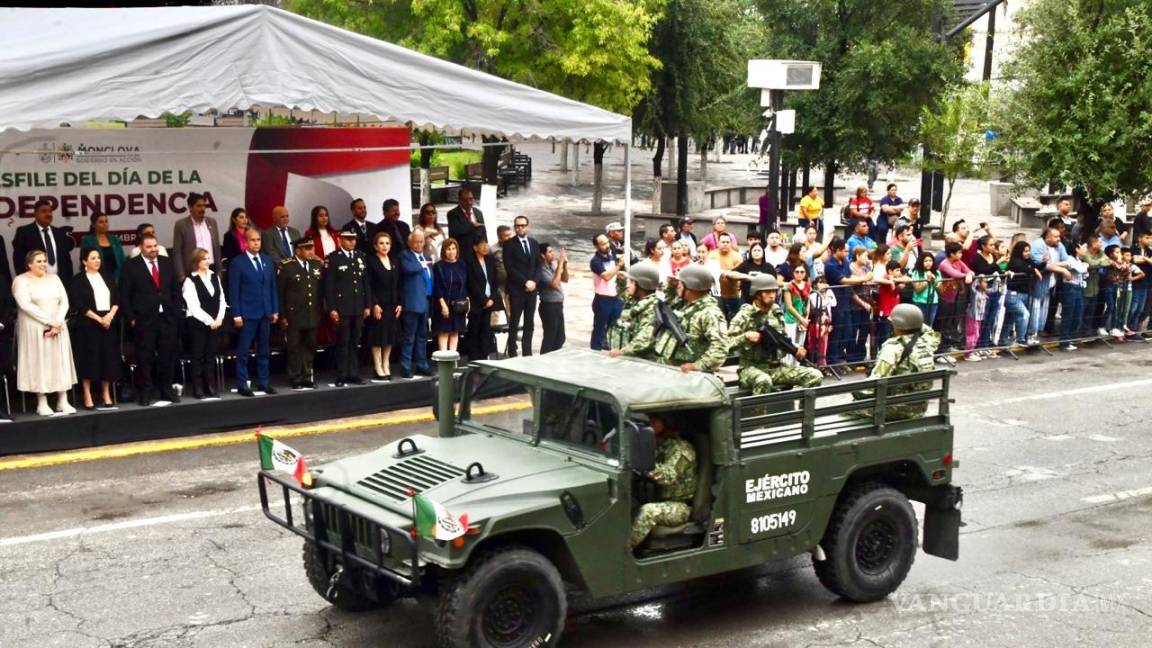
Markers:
point(66, 408)
point(1102, 332)
point(1034, 340)
point(973, 357)
point(1070, 347)
point(44, 410)
point(1117, 333)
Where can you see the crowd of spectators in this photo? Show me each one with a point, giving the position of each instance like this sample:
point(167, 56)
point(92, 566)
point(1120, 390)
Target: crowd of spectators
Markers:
point(365, 287)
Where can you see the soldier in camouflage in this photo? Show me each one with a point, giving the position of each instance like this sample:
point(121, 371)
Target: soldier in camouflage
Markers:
point(632, 335)
point(703, 322)
point(761, 368)
point(675, 475)
point(910, 350)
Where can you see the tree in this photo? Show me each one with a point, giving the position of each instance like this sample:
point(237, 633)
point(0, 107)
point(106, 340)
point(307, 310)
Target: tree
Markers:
point(882, 63)
point(954, 133)
point(703, 53)
point(1078, 102)
point(593, 51)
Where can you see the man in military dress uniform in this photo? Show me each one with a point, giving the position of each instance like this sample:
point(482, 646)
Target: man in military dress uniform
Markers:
point(300, 312)
point(632, 334)
point(346, 300)
point(762, 367)
point(911, 349)
point(704, 325)
point(675, 477)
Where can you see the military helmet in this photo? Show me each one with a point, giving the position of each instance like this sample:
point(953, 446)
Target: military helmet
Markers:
point(645, 274)
point(762, 282)
point(696, 277)
point(906, 317)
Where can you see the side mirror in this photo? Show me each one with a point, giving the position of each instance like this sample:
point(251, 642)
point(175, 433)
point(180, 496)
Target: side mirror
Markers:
point(641, 448)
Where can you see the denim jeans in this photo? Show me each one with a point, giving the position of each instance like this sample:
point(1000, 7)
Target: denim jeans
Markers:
point(1109, 320)
point(1139, 298)
point(1072, 301)
point(1015, 317)
point(605, 311)
point(860, 324)
point(414, 349)
point(929, 312)
point(991, 312)
point(1038, 311)
point(841, 330)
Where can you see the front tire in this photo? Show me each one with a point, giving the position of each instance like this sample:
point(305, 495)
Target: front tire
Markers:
point(511, 597)
point(869, 545)
point(347, 599)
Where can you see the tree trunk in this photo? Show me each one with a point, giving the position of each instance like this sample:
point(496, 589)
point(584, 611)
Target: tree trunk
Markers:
point(672, 156)
point(597, 176)
point(829, 183)
point(657, 163)
point(947, 204)
point(564, 156)
point(425, 165)
point(575, 162)
point(682, 175)
point(806, 176)
point(704, 161)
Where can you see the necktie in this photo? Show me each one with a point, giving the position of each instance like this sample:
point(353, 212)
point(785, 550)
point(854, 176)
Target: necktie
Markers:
point(287, 243)
point(470, 219)
point(155, 273)
point(256, 262)
point(524, 242)
point(49, 249)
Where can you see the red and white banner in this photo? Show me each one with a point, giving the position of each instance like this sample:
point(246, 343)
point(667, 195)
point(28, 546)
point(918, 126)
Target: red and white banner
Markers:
point(145, 175)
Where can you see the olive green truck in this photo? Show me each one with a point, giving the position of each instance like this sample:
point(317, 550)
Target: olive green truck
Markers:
point(550, 475)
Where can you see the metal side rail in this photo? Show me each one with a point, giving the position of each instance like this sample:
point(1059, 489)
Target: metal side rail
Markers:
point(355, 535)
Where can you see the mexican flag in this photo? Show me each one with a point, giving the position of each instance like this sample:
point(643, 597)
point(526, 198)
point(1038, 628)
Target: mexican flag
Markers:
point(277, 456)
point(432, 521)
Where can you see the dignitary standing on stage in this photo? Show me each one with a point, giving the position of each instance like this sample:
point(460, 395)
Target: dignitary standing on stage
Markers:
point(56, 242)
point(300, 311)
point(150, 304)
point(44, 352)
point(195, 231)
point(255, 307)
point(278, 238)
point(346, 298)
point(205, 304)
point(95, 300)
point(384, 291)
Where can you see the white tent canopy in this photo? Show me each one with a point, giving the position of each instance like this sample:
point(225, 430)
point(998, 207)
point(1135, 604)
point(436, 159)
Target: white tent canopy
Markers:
point(71, 65)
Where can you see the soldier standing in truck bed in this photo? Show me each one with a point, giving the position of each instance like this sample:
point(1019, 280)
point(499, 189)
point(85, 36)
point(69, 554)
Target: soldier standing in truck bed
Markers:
point(300, 311)
point(633, 334)
point(706, 345)
point(761, 365)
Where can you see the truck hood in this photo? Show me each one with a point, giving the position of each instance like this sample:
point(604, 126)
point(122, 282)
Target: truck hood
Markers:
point(520, 477)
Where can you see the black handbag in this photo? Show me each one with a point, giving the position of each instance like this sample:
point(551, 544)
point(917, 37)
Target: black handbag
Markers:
point(458, 306)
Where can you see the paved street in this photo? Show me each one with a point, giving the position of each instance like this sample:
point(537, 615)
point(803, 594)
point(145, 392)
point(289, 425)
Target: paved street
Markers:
point(170, 549)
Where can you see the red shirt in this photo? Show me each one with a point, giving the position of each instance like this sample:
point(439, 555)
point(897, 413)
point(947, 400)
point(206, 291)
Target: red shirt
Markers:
point(889, 298)
point(863, 205)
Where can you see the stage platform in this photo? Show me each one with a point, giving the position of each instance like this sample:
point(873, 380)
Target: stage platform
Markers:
point(130, 422)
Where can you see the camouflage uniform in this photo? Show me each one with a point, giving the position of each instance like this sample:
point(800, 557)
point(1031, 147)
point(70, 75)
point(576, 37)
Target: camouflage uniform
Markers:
point(623, 329)
point(707, 331)
point(762, 370)
point(641, 324)
point(919, 360)
point(675, 474)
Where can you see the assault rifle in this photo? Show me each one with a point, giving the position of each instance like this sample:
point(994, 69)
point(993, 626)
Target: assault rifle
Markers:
point(665, 320)
point(773, 340)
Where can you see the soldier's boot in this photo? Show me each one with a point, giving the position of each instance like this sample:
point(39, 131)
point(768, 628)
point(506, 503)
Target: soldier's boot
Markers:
point(658, 514)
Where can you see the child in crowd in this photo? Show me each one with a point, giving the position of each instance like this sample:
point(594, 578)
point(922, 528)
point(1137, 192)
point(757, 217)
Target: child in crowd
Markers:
point(821, 301)
point(680, 257)
point(926, 287)
point(1115, 275)
point(1124, 296)
point(888, 298)
point(796, 308)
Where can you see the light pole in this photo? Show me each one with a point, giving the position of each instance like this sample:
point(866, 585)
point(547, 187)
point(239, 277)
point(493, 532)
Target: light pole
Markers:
point(773, 77)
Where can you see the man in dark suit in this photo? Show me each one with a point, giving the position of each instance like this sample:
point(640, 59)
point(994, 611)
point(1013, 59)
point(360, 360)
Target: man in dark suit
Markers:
point(195, 231)
point(465, 223)
point(484, 294)
point(255, 307)
point(56, 242)
point(522, 262)
point(300, 311)
point(277, 239)
point(150, 304)
point(397, 229)
point(364, 229)
point(346, 300)
point(415, 293)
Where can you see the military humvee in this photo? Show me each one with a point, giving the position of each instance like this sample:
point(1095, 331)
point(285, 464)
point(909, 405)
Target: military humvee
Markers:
point(551, 479)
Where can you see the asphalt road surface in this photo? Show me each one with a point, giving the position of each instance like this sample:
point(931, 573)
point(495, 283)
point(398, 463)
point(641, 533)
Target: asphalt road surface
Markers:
point(170, 549)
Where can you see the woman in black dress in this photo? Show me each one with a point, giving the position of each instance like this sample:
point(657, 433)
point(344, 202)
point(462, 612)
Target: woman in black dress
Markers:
point(95, 331)
point(384, 296)
point(449, 297)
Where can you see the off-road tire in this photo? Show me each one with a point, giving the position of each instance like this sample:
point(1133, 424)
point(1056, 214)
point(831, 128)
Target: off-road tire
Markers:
point(342, 597)
point(506, 598)
point(869, 544)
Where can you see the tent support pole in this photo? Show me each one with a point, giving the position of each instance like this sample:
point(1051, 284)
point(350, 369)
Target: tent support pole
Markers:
point(627, 202)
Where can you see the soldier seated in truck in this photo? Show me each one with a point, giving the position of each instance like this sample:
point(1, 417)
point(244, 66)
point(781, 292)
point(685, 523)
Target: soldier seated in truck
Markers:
point(675, 478)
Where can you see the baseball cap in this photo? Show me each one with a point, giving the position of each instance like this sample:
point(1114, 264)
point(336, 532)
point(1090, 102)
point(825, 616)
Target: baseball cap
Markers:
point(614, 226)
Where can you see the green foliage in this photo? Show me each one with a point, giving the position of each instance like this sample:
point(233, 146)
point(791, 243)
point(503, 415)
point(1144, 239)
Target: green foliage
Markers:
point(882, 63)
point(270, 120)
point(1078, 105)
point(172, 120)
point(954, 134)
point(589, 50)
point(703, 47)
point(458, 161)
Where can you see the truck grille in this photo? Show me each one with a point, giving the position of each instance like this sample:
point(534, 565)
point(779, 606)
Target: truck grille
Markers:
point(418, 474)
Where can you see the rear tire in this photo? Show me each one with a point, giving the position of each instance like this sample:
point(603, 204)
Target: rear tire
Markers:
point(511, 597)
point(342, 597)
point(869, 545)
